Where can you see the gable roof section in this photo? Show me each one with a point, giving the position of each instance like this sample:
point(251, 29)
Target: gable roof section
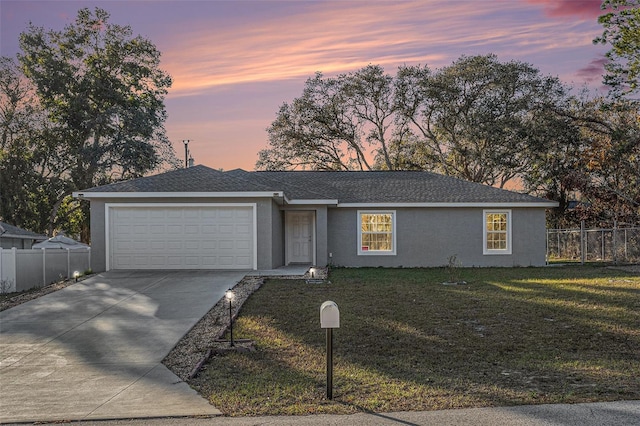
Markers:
point(345, 188)
point(193, 179)
point(10, 231)
point(382, 187)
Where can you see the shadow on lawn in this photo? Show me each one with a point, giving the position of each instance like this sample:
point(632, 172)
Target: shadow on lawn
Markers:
point(406, 342)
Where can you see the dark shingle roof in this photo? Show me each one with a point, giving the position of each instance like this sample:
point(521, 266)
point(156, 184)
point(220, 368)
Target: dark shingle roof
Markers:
point(192, 179)
point(346, 187)
point(14, 232)
point(398, 187)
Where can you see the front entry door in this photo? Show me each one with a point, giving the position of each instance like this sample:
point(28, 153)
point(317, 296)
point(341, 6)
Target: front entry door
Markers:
point(300, 237)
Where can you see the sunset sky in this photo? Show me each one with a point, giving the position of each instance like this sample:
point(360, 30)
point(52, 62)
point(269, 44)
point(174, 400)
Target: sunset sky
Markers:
point(234, 63)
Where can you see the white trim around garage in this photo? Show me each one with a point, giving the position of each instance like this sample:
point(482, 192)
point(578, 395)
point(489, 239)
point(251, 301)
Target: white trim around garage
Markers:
point(109, 206)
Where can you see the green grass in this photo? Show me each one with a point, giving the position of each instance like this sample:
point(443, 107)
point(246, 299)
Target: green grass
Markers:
point(407, 342)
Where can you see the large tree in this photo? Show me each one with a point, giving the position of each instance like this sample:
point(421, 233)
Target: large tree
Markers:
point(622, 31)
point(335, 124)
point(477, 119)
point(609, 174)
point(103, 92)
point(28, 153)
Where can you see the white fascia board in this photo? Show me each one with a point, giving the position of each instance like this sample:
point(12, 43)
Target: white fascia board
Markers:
point(542, 204)
point(307, 202)
point(91, 195)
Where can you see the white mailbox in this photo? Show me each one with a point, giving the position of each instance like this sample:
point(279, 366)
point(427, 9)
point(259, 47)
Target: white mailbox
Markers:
point(329, 315)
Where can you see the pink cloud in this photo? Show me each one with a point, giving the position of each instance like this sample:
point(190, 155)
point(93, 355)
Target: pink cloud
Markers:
point(342, 36)
point(570, 8)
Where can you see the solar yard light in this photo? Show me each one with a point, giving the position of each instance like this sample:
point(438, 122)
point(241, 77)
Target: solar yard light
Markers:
point(76, 274)
point(230, 296)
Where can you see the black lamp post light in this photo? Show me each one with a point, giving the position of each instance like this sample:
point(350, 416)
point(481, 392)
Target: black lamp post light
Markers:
point(230, 296)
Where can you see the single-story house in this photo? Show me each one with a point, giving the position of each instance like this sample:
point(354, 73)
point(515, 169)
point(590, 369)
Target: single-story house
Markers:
point(12, 236)
point(201, 218)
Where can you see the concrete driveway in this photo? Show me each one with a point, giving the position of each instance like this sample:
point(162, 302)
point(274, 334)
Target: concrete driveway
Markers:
point(93, 350)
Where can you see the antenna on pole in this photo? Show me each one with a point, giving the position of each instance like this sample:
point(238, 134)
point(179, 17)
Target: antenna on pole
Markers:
point(186, 153)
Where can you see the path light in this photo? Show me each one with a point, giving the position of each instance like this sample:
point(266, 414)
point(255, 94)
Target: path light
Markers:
point(76, 274)
point(313, 271)
point(229, 296)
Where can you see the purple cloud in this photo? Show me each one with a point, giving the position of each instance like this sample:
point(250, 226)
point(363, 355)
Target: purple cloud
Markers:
point(593, 71)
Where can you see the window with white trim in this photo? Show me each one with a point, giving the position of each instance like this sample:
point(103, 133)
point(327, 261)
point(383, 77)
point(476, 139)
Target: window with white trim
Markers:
point(376, 232)
point(497, 232)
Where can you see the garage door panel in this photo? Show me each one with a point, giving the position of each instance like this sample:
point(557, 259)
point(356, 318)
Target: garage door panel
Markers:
point(192, 229)
point(243, 245)
point(209, 229)
point(174, 245)
point(186, 237)
point(174, 229)
point(157, 245)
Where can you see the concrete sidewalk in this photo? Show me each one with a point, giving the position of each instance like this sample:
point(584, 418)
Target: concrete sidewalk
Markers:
point(619, 413)
point(94, 349)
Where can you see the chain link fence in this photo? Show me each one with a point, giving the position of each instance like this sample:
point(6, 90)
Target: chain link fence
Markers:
point(617, 245)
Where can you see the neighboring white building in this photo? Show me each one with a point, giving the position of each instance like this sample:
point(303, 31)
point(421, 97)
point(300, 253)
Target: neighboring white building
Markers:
point(12, 236)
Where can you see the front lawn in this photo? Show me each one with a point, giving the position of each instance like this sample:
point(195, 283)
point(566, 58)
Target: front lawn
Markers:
point(407, 342)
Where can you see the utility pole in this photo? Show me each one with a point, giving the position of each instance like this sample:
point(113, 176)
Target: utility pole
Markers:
point(186, 153)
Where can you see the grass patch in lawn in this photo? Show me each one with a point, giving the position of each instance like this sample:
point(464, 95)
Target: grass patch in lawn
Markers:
point(406, 342)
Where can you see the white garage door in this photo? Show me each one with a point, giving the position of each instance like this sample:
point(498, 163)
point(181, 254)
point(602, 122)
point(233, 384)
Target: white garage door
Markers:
point(186, 237)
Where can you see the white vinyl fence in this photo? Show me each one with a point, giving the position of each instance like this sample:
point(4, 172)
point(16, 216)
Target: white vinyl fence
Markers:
point(23, 269)
point(595, 245)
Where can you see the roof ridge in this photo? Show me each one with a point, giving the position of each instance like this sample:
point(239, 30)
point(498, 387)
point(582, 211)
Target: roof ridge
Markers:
point(294, 185)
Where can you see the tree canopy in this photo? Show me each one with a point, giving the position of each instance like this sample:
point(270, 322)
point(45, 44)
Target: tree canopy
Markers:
point(477, 119)
point(333, 124)
point(99, 93)
point(472, 119)
point(621, 26)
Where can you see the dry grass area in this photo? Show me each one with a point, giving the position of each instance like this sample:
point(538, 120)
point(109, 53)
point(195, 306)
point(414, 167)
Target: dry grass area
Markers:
point(407, 342)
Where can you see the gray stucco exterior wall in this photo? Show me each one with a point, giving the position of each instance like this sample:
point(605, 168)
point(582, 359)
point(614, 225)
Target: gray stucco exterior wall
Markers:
point(98, 237)
point(277, 237)
point(322, 236)
point(427, 237)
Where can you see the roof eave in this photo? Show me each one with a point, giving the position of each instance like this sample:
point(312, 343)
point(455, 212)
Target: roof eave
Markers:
point(254, 194)
point(517, 204)
point(23, 236)
point(313, 202)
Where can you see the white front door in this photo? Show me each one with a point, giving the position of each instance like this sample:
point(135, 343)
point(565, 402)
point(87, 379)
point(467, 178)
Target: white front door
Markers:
point(300, 236)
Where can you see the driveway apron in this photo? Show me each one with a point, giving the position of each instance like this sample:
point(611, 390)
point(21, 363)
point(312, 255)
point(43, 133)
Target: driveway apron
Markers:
point(94, 349)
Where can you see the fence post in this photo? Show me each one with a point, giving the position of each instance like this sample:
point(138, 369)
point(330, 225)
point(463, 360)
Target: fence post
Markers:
point(548, 231)
point(44, 267)
point(626, 253)
point(615, 244)
point(583, 243)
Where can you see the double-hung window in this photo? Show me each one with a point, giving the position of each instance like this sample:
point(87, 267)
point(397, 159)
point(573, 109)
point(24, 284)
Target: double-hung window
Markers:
point(376, 232)
point(497, 232)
